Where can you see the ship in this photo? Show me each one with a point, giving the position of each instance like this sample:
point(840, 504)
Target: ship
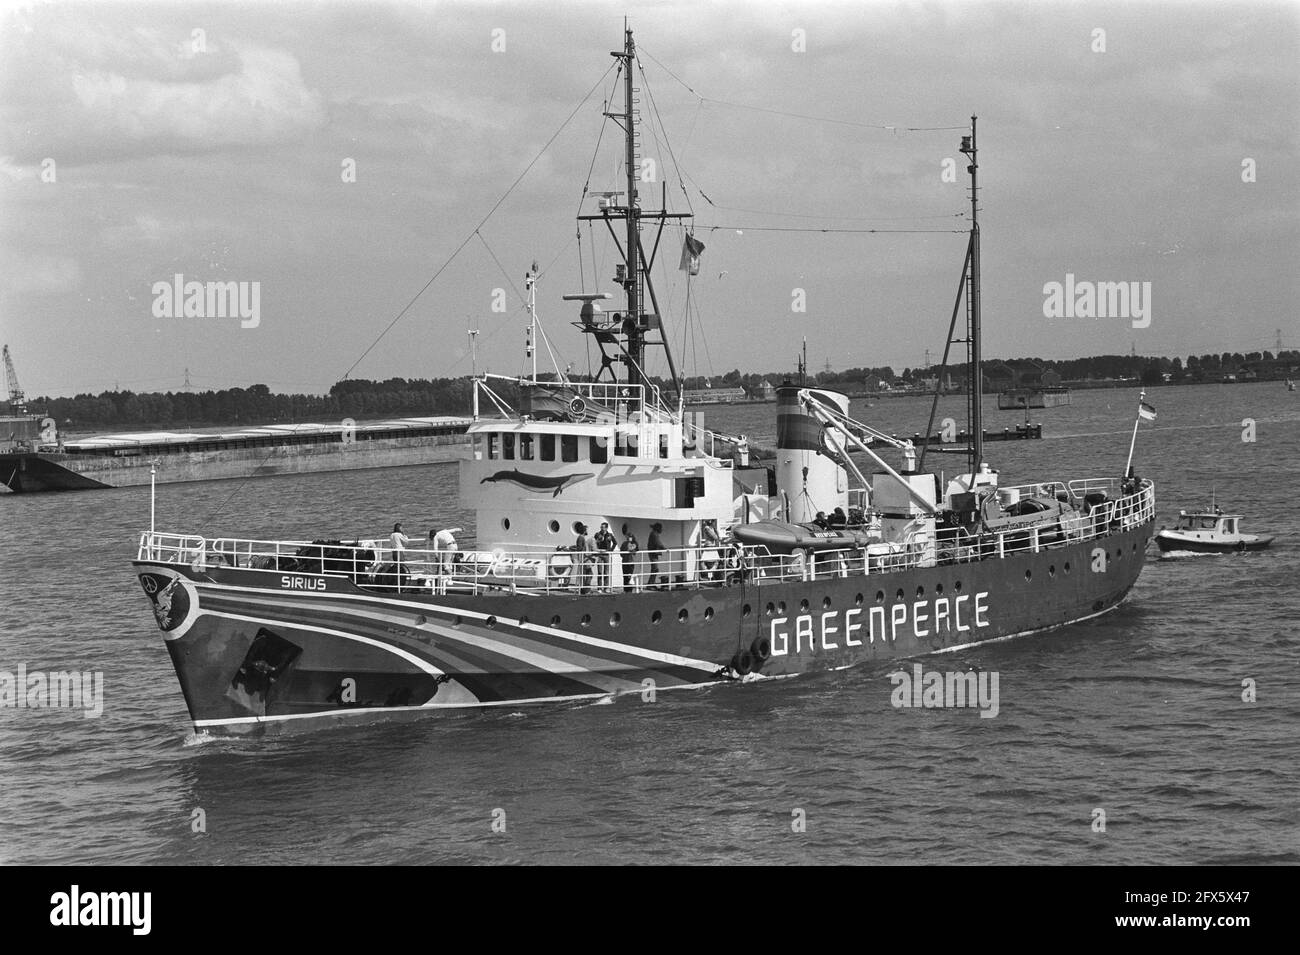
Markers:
point(49, 463)
point(1048, 396)
point(680, 588)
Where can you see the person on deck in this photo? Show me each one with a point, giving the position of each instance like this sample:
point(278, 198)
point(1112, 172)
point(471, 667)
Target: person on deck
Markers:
point(821, 521)
point(654, 553)
point(605, 544)
point(838, 518)
point(443, 544)
point(628, 550)
point(581, 547)
point(397, 541)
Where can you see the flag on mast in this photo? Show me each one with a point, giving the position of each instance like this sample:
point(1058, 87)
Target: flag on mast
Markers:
point(1146, 411)
point(691, 250)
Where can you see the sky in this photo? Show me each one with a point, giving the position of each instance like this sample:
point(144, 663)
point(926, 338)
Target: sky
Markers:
point(337, 156)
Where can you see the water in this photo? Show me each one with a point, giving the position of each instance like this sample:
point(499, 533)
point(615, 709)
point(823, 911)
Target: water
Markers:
point(1138, 713)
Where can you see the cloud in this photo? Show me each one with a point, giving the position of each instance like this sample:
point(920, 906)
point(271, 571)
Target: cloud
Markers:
point(41, 274)
point(83, 91)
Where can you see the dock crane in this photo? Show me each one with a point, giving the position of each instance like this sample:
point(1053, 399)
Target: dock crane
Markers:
point(17, 400)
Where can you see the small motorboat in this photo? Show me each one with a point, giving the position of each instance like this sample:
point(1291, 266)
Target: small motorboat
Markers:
point(1209, 532)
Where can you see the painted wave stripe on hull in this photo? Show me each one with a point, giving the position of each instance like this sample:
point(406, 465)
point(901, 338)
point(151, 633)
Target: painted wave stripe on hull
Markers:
point(480, 650)
point(379, 609)
point(486, 667)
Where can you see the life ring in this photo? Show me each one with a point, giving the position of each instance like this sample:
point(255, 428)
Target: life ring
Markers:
point(742, 662)
point(559, 567)
point(762, 651)
point(577, 406)
point(1241, 547)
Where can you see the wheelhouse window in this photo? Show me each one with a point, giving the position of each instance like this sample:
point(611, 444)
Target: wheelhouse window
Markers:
point(493, 453)
point(686, 490)
point(508, 446)
point(625, 444)
point(663, 445)
point(568, 447)
point(599, 449)
point(525, 447)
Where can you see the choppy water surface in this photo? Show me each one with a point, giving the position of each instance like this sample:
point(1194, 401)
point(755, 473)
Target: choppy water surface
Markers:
point(1139, 713)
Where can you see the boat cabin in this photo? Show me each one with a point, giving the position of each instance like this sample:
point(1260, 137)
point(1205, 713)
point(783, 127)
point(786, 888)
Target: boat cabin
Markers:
point(1207, 522)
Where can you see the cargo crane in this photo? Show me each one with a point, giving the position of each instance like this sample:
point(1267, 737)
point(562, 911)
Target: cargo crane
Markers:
point(17, 400)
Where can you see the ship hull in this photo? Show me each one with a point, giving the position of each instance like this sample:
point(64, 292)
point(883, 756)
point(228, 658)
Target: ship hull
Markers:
point(29, 472)
point(256, 651)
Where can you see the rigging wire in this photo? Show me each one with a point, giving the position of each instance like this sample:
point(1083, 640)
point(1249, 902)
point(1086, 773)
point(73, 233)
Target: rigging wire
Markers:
point(759, 228)
point(442, 268)
point(654, 108)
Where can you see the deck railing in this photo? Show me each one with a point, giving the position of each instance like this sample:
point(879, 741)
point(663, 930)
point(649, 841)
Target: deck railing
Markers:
point(375, 565)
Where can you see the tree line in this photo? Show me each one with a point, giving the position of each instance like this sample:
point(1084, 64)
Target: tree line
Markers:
point(403, 397)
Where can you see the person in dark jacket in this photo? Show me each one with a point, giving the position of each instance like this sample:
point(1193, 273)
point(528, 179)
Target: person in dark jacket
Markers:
point(654, 554)
point(628, 550)
point(605, 544)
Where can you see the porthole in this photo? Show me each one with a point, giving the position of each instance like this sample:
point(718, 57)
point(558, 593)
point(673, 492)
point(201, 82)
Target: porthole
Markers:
point(656, 617)
point(857, 600)
point(491, 622)
point(898, 595)
point(780, 607)
point(938, 589)
point(920, 592)
point(586, 620)
point(553, 527)
point(826, 603)
point(957, 586)
point(770, 609)
point(1029, 575)
point(683, 615)
point(1051, 570)
point(576, 525)
point(555, 621)
point(803, 606)
point(880, 596)
point(523, 621)
point(745, 611)
point(708, 613)
point(505, 523)
point(1067, 566)
point(615, 619)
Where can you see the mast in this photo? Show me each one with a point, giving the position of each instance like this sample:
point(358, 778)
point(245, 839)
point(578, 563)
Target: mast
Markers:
point(975, 393)
point(631, 336)
point(632, 283)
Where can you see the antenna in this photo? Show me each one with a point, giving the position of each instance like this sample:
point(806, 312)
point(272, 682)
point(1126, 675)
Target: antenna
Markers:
point(473, 352)
point(530, 336)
